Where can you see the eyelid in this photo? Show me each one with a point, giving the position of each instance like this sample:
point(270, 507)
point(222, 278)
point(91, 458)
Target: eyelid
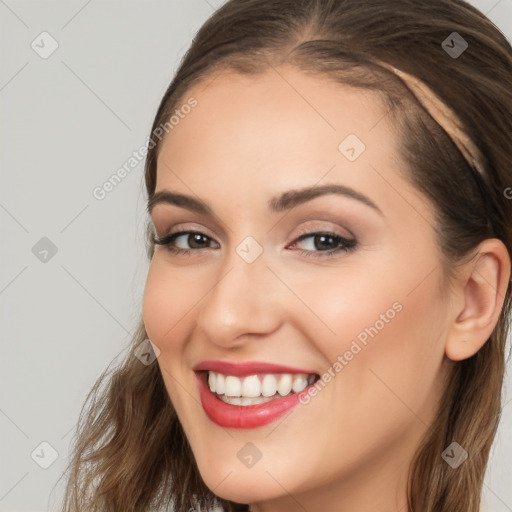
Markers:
point(187, 226)
point(311, 228)
point(320, 227)
point(180, 219)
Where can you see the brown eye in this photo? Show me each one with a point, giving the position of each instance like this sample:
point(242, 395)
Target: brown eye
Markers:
point(196, 240)
point(324, 244)
point(186, 241)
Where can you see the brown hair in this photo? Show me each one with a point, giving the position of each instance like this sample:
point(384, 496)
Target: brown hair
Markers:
point(131, 453)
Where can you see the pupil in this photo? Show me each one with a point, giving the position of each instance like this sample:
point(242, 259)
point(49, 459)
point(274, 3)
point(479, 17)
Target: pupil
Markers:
point(325, 241)
point(196, 239)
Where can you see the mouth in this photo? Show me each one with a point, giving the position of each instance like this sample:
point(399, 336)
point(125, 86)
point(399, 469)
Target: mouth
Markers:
point(253, 399)
point(258, 388)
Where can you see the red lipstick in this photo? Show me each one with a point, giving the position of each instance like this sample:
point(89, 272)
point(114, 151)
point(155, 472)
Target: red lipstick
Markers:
point(245, 416)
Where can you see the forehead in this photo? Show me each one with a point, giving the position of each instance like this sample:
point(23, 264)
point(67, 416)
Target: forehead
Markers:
point(274, 120)
point(251, 137)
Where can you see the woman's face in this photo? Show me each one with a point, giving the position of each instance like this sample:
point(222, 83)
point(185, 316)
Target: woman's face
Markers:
point(345, 284)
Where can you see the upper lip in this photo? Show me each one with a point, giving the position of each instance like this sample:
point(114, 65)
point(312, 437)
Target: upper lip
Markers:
point(243, 368)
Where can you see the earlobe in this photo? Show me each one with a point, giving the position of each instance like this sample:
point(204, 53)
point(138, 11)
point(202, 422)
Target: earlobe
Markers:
point(481, 286)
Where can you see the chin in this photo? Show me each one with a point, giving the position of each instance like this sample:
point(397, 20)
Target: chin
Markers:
point(241, 488)
point(263, 482)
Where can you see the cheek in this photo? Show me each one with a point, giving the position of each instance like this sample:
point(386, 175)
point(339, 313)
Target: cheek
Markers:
point(169, 297)
point(397, 336)
point(381, 332)
point(383, 364)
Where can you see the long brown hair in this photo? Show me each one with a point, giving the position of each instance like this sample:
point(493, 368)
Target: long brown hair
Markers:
point(131, 453)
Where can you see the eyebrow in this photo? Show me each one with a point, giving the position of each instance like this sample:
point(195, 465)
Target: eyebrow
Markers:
point(285, 201)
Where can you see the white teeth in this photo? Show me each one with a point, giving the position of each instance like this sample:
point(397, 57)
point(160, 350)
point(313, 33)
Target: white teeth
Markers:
point(299, 383)
point(256, 388)
point(254, 401)
point(284, 386)
point(233, 386)
point(211, 382)
point(220, 383)
point(251, 386)
point(245, 401)
point(269, 385)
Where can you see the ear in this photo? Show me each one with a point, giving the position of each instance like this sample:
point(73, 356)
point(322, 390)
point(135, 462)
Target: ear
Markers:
point(478, 295)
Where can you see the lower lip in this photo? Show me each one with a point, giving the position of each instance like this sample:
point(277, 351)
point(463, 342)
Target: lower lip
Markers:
point(243, 416)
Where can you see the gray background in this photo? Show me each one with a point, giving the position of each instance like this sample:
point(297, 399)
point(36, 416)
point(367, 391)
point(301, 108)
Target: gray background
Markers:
point(68, 123)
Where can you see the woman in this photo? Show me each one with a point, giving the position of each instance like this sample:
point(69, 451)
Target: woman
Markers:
point(328, 296)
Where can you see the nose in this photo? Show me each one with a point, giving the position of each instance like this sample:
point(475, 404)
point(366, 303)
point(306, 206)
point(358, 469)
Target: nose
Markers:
point(245, 300)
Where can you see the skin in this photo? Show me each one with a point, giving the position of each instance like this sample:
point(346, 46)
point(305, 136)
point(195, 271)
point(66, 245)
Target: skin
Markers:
point(251, 138)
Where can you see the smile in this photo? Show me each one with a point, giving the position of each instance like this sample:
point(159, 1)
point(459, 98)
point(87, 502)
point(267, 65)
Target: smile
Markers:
point(249, 395)
point(256, 389)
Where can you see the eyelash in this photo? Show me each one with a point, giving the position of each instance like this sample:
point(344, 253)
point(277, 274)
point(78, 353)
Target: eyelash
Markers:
point(347, 245)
